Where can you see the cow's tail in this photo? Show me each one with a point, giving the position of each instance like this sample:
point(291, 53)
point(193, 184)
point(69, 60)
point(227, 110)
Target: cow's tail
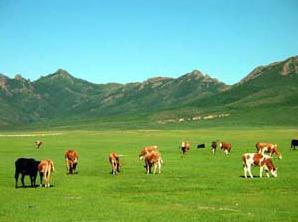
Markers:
point(244, 160)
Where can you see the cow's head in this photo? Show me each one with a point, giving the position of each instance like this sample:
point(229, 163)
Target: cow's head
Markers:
point(274, 172)
point(276, 152)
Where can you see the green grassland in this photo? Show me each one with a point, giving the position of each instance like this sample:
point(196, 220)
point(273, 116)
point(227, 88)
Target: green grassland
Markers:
point(198, 187)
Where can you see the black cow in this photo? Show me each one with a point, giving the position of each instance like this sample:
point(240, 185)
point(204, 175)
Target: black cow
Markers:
point(294, 143)
point(213, 146)
point(25, 167)
point(201, 146)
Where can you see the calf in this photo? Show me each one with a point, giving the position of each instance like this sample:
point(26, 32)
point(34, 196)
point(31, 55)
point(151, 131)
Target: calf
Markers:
point(294, 143)
point(38, 144)
point(71, 161)
point(45, 168)
point(153, 158)
point(260, 160)
point(226, 147)
point(115, 163)
point(268, 148)
point(185, 147)
point(25, 167)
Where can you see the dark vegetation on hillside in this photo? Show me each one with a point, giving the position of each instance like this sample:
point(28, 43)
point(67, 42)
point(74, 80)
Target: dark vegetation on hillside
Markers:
point(267, 95)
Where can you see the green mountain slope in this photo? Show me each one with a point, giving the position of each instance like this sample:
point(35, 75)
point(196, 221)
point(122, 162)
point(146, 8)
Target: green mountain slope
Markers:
point(269, 93)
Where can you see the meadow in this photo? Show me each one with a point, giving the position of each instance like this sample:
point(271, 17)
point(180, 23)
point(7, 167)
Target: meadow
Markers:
point(198, 187)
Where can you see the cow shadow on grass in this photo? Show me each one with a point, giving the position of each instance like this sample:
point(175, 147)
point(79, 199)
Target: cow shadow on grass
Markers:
point(29, 186)
point(248, 177)
point(74, 173)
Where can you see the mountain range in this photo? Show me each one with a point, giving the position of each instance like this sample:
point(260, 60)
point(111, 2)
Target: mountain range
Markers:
point(269, 94)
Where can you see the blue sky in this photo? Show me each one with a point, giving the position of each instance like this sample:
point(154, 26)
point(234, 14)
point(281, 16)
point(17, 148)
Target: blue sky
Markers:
point(132, 40)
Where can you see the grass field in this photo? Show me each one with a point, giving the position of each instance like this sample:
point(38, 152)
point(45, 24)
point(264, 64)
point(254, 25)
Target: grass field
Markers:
point(198, 187)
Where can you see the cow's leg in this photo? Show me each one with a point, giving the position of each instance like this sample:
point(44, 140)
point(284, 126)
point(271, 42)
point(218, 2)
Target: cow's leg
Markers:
point(22, 179)
point(226, 152)
point(245, 171)
point(249, 171)
point(261, 171)
point(114, 168)
point(159, 166)
point(213, 151)
point(148, 167)
point(118, 167)
point(155, 167)
point(32, 180)
point(67, 165)
point(41, 176)
point(74, 167)
point(48, 174)
point(17, 178)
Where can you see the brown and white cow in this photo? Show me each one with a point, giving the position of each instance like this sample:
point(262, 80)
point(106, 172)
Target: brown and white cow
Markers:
point(153, 159)
point(268, 148)
point(38, 143)
point(226, 147)
point(45, 168)
point(185, 147)
point(260, 160)
point(71, 161)
point(147, 149)
point(115, 163)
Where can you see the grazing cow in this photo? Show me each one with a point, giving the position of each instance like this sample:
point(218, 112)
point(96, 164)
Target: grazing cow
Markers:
point(213, 146)
point(115, 163)
point(269, 148)
point(45, 168)
point(185, 147)
point(294, 143)
point(200, 146)
point(147, 149)
point(153, 159)
point(260, 160)
point(226, 147)
point(38, 144)
point(71, 161)
point(26, 166)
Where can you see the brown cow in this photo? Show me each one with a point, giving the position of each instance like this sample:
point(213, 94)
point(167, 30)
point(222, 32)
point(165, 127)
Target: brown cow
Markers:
point(185, 147)
point(115, 163)
point(147, 149)
point(45, 168)
point(226, 147)
point(260, 160)
point(268, 148)
point(38, 143)
point(71, 161)
point(153, 158)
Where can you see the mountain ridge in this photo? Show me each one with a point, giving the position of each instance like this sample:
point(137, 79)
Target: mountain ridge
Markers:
point(62, 96)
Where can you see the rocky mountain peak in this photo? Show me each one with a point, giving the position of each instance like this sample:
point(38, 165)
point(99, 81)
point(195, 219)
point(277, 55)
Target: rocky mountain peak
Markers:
point(62, 73)
point(285, 67)
point(290, 66)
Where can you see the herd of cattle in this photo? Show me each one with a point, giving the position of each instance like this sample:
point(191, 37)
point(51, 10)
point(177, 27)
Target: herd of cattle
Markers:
point(262, 158)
